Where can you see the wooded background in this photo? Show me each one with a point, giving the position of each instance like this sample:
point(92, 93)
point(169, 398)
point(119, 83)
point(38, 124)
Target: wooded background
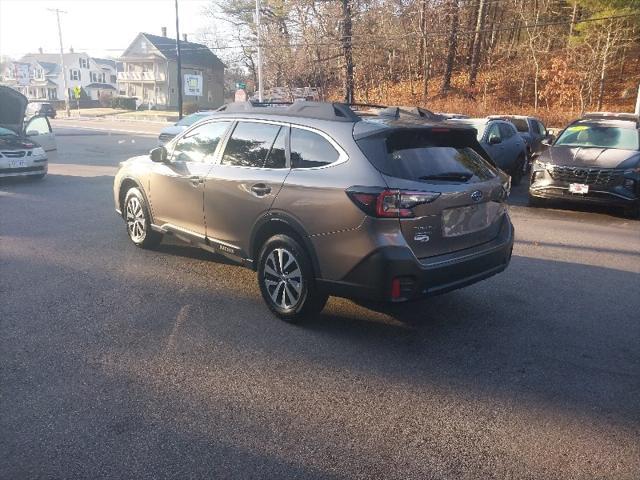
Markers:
point(551, 58)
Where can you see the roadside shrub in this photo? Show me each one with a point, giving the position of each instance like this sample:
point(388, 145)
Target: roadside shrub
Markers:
point(190, 108)
point(124, 103)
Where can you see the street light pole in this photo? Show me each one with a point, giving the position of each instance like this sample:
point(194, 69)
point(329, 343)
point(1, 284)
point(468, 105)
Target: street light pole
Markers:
point(260, 89)
point(179, 64)
point(64, 71)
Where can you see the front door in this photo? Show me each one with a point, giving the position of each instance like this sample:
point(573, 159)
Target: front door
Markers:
point(496, 150)
point(39, 130)
point(243, 185)
point(176, 187)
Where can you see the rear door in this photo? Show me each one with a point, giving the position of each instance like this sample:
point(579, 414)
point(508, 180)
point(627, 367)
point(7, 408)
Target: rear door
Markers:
point(242, 186)
point(176, 187)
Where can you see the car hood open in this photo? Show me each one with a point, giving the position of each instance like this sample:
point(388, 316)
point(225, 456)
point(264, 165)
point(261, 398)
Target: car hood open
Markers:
point(12, 107)
point(591, 157)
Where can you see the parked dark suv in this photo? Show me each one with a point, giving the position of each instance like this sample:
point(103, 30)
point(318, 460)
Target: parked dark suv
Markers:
point(320, 201)
point(596, 160)
point(40, 108)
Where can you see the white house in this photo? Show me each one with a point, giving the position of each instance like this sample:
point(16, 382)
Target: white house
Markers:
point(39, 75)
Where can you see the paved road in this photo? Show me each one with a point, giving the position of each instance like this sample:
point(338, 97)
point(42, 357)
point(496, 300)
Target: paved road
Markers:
point(121, 363)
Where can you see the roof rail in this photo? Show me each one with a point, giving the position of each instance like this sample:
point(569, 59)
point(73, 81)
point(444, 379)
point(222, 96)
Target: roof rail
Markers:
point(304, 109)
point(613, 116)
point(404, 111)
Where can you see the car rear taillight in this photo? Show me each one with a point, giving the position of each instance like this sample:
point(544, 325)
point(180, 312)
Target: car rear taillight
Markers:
point(389, 203)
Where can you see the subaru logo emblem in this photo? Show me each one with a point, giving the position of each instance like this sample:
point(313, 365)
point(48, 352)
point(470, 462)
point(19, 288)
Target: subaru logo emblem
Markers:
point(476, 196)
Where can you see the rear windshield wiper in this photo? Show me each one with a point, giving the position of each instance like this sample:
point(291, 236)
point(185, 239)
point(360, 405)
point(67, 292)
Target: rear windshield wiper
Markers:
point(448, 176)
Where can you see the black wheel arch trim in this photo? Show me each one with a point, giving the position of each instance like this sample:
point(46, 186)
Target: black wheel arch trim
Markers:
point(142, 190)
point(295, 225)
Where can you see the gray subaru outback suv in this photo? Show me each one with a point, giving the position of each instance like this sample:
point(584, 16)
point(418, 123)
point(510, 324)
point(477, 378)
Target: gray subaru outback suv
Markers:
point(322, 201)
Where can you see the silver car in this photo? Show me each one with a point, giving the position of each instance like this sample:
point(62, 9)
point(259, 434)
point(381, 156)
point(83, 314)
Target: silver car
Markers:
point(321, 201)
point(24, 148)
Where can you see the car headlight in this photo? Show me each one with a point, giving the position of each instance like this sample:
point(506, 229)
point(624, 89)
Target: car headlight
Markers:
point(38, 152)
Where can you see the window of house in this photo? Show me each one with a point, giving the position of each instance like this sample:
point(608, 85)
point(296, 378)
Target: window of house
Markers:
point(74, 74)
point(114, 79)
point(200, 144)
point(250, 144)
point(309, 149)
point(84, 63)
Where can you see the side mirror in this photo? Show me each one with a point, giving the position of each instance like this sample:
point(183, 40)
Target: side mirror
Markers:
point(548, 141)
point(158, 154)
point(494, 140)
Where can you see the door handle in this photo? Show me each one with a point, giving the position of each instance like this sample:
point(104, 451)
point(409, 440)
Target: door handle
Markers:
point(196, 180)
point(260, 189)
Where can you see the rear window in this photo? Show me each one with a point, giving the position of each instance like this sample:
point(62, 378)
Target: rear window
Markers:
point(423, 159)
point(520, 124)
point(311, 150)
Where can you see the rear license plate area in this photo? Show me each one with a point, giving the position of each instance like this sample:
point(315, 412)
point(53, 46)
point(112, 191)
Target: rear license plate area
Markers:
point(469, 219)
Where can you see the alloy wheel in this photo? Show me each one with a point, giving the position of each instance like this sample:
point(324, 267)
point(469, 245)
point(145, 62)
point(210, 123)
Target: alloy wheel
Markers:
point(136, 222)
point(283, 278)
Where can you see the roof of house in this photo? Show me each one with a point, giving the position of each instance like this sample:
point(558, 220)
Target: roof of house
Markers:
point(104, 86)
point(190, 53)
point(105, 61)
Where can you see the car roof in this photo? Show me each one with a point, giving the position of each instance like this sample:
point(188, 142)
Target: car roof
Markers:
point(608, 122)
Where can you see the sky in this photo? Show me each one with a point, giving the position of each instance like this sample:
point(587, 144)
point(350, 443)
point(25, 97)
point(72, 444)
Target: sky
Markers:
point(102, 28)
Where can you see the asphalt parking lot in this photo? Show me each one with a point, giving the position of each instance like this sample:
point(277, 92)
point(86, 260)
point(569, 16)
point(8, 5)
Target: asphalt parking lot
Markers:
point(117, 362)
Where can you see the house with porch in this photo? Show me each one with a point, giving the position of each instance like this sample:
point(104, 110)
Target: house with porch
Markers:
point(39, 76)
point(150, 72)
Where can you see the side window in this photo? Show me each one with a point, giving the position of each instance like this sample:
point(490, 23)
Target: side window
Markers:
point(38, 126)
point(277, 157)
point(541, 129)
point(506, 130)
point(308, 149)
point(250, 143)
point(199, 145)
point(494, 130)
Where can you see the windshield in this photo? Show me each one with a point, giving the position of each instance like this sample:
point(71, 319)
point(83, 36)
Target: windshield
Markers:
point(5, 131)
point(520, 123)
point(598, 136)
point(191, 119)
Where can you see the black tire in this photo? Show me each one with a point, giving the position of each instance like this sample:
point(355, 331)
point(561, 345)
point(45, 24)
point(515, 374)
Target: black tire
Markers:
point(536, 202)
point(138, 221)
point(278, 286)
point(632, 212)
point(516, 173)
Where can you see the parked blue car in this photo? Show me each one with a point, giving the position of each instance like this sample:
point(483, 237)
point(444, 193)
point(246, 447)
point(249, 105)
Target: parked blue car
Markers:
point(503, 144)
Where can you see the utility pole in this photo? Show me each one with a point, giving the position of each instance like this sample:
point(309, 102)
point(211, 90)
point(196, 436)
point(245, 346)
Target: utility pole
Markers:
point(64, 71)
point(260, 88)
point(179, 64)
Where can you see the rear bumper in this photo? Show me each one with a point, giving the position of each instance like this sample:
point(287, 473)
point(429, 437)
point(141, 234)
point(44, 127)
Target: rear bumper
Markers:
point(373, 277)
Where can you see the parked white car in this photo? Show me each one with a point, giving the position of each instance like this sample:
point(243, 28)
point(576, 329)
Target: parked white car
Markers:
point(24, 148)
point(167, 133)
